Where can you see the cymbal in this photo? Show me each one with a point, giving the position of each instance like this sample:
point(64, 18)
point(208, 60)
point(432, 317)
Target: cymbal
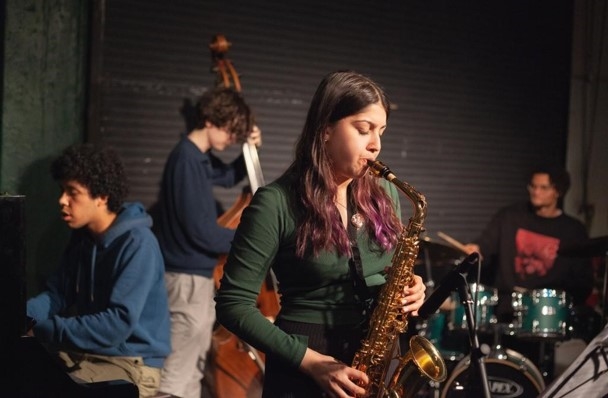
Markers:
point(590, 248)
point(439, 254)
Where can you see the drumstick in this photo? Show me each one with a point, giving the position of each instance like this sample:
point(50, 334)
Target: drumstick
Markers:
point(452, 241)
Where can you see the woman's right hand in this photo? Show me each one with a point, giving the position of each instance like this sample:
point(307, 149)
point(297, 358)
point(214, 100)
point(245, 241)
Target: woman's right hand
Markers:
point(336, 379)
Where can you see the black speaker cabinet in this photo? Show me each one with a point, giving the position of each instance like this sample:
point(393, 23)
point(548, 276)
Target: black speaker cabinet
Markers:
point(12, 268)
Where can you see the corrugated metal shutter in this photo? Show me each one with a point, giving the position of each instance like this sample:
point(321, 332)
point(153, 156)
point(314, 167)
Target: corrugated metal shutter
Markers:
point(480, 90)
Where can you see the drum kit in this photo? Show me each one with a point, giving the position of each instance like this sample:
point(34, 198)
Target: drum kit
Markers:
point(541, 317)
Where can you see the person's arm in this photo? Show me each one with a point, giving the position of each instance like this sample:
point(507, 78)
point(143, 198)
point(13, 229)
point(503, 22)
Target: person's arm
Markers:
point(261, 230)
point(54, 299)
point(140, 262)
point(195, 207)
point(487, 243)
point(579, 280)
point(227, 175)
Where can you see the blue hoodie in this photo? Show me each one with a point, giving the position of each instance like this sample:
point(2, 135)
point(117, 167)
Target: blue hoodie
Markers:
point(115, 286)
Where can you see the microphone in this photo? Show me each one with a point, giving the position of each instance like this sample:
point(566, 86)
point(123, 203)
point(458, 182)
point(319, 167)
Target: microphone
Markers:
point(446, 286)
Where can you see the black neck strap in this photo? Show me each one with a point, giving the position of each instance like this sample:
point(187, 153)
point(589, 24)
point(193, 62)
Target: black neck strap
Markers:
point(355, 265)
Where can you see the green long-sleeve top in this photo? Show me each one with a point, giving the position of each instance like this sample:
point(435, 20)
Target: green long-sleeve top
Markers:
point(313, 289)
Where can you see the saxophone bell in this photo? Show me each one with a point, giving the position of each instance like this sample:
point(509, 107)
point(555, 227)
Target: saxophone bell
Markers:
point(421, 363)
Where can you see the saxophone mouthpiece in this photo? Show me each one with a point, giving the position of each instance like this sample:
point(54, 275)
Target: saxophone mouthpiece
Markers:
point(379, 169)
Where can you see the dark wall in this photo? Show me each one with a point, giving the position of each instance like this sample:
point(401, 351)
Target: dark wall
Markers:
point(480, 89)
point(12, 258)
point(43, 110)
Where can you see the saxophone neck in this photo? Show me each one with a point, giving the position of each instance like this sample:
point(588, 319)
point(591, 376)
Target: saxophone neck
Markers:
point(379, 169)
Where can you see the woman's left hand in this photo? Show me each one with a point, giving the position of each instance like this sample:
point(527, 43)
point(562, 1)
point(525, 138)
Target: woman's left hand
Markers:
point(413, 296)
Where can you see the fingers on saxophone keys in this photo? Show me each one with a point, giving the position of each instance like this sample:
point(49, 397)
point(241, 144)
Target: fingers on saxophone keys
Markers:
point(401, 304)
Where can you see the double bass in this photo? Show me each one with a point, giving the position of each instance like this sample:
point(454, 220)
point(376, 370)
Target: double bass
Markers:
point(234, 368)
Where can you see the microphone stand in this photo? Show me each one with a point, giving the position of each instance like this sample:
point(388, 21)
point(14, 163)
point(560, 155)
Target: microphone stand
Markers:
point(478, 367)
point(457, 280)
point(430, 283)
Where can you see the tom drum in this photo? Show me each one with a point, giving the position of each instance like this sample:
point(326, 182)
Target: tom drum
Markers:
point(541, 314)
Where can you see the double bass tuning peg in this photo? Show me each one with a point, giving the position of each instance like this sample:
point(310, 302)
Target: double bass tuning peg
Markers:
point(226, 73)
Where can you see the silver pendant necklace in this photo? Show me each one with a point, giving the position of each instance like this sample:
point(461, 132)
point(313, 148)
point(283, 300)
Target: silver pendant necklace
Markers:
point(357, 220)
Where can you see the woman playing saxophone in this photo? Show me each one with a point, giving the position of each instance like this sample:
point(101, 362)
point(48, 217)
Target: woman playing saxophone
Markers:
point(328, 229)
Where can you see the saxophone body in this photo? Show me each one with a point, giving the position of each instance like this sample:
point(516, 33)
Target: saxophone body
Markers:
point(422, 362)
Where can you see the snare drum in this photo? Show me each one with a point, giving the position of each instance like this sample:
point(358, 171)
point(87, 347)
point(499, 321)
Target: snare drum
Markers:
point(509, 374)
point(487, 299)
point(542, 314)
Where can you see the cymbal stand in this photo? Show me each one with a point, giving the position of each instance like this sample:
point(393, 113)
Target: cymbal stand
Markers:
point(604, 291)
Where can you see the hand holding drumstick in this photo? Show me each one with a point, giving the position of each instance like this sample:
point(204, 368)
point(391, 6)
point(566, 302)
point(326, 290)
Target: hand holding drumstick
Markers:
point(468, 248)
point(449, 304)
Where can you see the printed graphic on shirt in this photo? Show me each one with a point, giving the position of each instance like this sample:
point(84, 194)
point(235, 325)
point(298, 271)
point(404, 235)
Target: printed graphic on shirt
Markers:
point(534, 253)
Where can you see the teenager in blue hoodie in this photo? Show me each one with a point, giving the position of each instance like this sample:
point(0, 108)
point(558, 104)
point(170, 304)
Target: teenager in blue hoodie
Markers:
point(105, 311)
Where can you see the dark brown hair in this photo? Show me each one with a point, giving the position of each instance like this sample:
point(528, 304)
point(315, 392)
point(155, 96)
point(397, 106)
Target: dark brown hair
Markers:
point(340, 94)
point(225, 108)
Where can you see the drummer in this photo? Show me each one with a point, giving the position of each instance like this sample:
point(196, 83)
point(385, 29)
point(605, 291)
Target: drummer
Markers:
point(519, 245)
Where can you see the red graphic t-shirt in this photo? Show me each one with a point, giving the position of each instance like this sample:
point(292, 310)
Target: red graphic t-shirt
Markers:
point(534, 253)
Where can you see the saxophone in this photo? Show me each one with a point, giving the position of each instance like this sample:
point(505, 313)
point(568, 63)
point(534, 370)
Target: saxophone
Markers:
point(423, 361)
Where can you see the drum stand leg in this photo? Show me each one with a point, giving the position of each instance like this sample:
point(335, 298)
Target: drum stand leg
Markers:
point(478, 377)
point(604, 292)
point(546, 358)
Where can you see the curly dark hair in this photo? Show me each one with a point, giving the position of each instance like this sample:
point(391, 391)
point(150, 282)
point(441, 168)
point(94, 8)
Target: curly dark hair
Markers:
point(225, 108)
point(97, 168)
